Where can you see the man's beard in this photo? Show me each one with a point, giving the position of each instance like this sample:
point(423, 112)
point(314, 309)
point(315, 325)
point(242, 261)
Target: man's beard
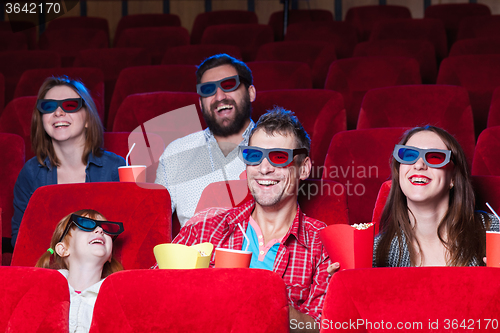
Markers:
point(241, 116)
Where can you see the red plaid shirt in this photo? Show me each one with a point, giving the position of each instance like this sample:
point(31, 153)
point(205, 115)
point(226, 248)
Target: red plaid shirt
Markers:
point(301, 260)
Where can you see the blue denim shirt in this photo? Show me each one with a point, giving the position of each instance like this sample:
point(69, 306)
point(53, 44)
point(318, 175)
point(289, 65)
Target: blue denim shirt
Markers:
point(34, 175)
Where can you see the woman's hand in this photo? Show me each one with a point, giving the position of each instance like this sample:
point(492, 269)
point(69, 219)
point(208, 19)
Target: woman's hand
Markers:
point(333, 268)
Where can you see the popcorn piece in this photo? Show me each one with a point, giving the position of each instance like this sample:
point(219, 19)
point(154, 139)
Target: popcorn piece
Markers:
point(362, 226)
point(202, 253)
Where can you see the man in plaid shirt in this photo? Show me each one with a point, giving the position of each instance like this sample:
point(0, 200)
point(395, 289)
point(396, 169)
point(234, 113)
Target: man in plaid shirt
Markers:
point(282, 238)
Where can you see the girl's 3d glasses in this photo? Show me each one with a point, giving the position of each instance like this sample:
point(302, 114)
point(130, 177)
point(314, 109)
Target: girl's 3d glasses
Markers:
point(434, 158)
point(226, 84)
point(278, 157)
point(88, 224)
point(68, 105)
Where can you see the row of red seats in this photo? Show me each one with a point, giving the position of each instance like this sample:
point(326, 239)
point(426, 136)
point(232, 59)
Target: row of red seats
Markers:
point(149, 300)
point(353, 77)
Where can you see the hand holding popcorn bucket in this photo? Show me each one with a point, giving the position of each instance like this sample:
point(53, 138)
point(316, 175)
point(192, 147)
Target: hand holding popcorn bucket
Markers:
point(350, 245)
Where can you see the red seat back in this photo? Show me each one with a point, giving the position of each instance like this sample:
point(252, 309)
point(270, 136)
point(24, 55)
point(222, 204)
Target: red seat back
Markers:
point(355, 76)
point(443, 106)
point(196, 54)
point(276, 75)
point(42, 295)
point(144, 210)
point(486, 161)
point(479, 26)
point(297, 16)
point(479, 45)
point(146, 20)
point(232, 303)
point(204, 20)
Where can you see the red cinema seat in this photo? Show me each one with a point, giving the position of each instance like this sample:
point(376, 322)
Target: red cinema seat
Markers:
point(324, 200)
point(480, 75)
point(111, 62)
point(42, 295)
point(360, 160)
point(93, 79)
point(232, 303)
point(16, 119)
point(144, 210)
point(318, 55)
point(204, 20)
point(431, 30)
point(419, 49)
point(172, 115)
point(79, 22)
point(142, 79)
point(486, 161)
point(26, 28)
point(275, 75)
point(68, 42)
point(480, 45)
point(355, 76)
point(382, 196)
point(451, 14)
point(297, 16)
point(14, 63)
point(494, 112)
point(146, 20)
point(340, 34)
point(321, 112)
point(156, 40)
point(486, 189)
point(443, 106)
point(364, 17)
point(479, 26)
point(12, 155)
point(383, 302)
point(12, 41)
point(195, 54)
point(248, 37)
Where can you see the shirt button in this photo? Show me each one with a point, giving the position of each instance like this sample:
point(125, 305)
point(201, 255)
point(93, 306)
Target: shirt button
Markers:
point(261, 243)
point(260, 237)
point(261, 252)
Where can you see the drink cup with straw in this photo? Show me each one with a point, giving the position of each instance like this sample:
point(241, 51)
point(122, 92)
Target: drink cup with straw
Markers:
point(132, 173)
point(229, 258)
point(493, 244)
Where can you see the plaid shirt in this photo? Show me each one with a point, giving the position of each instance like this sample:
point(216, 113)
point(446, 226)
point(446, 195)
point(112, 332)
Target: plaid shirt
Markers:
point(301, 260)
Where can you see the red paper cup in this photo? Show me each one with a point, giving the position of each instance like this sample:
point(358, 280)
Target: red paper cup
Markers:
point(350, 247)
point(492, 249)
point(132, 173)
point(228, 258)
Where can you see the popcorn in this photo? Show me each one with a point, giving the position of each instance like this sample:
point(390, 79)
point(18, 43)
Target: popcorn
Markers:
point(362, 226)
point(202, 253)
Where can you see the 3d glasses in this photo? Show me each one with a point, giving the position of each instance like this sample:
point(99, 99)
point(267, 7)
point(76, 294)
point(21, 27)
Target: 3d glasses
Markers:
point(434, 158)
point(88, 224)
point(278, 157)
point(68, 105)
point(226, 85)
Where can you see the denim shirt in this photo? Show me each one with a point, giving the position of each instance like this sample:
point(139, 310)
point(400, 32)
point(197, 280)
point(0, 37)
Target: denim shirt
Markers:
point(34, 175)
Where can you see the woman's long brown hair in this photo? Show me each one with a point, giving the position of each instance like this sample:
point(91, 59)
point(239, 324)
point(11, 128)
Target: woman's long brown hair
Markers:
point(54, 261)
point(466, 240)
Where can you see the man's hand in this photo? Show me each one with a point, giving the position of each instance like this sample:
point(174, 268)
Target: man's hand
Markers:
point(333, 268)
point(301, 322)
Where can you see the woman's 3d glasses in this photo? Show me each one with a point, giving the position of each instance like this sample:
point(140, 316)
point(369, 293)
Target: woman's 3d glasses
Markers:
point(88, 224)
point(68, 105)
point(278, 157)
point(434, 158)
point(227, 84)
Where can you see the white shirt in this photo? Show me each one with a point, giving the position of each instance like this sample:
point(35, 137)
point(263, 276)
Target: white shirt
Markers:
point(191, 163)
point(81, 305)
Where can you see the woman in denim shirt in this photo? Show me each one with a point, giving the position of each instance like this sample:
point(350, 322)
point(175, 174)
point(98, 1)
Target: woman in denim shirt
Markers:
point(67, 138)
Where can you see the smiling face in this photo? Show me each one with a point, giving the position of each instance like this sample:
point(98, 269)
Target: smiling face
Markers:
point(420, 183)
point(226, 113)
point(61, 126)
point(276, 186)
point(94, 246)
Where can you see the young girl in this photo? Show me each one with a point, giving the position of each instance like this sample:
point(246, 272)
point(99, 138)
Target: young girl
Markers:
point(67, 138)
point(82, 250)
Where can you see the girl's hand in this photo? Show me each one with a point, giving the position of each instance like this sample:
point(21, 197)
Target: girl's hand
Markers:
point(333, 268)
